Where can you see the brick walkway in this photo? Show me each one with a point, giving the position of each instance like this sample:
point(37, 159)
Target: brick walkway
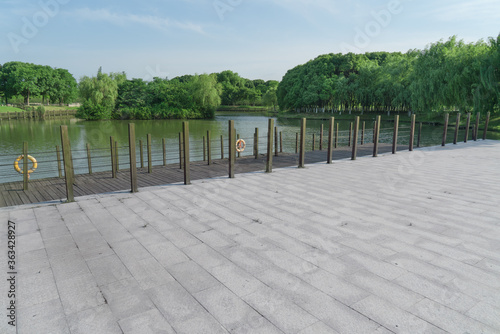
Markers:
point(405, 243)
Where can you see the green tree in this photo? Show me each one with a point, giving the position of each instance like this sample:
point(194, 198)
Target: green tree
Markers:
point(99, 94)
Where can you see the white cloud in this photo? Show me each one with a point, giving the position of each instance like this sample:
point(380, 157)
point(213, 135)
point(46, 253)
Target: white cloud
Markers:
point(154, 22)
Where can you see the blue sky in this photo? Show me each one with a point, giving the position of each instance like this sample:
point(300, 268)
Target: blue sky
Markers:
point(256, 38)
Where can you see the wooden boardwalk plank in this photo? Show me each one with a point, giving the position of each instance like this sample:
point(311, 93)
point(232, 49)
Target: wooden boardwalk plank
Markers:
point(11, 194)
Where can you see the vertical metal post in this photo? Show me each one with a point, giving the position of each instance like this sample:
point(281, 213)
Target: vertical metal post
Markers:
point(297, 142)
point(476, 126)
point(185, 141)
point(276, 149)
point(113, 165)
point(25, 166)
point(321, 138)
point(376, 135)
point(256, 143)
point(141, 153)
point(204, 149)
point(133, 163)
point(457, 127)
point(350, 134)
point(150, 158)
point(269, 162)
point(445, 130)
point(281, 142)
point(164, 146)
point(419, 134)
point(59, 167)
point(221, 147)
point(302, 153)
point(412, 131)
point(355, 139)
point(232, 148)
point(329, 155)
point(336, 135)
point(237, 138)
point(181, 157)
point(68, 163)
point(117, 161)
point(395, 135)
point(314, 142)
point(209, 149)
point(486, 125)
point(89, 159)
point(363, 134)
point(467, 125)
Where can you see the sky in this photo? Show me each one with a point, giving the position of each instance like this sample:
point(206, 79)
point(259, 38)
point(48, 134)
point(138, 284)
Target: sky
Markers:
point(259, 39)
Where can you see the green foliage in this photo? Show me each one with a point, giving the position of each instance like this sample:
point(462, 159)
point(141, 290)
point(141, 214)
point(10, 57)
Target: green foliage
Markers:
point(446, 75)
point(30, 80)
point(92, 111)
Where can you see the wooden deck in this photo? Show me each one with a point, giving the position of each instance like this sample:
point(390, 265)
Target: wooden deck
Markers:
point(54, 189)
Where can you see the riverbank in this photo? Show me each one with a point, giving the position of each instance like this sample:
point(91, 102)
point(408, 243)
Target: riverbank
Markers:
point(401, 243)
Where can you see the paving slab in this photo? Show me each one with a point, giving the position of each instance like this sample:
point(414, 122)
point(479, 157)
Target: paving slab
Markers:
point(404, 243)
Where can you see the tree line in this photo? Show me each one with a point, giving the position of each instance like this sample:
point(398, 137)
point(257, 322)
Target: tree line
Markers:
point(446, 75)
point(55, 85)
point(113, 96)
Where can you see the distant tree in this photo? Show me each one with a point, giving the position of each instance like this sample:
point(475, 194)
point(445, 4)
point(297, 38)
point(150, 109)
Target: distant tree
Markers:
point(99, 94)
point(65, 87)
point(206, 93)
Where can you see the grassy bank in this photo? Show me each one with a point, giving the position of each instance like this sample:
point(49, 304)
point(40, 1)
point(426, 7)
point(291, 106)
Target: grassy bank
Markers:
point(9, 109)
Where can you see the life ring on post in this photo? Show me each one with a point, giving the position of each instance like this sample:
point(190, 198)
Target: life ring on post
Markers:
point(19, 170)
point(240, 145)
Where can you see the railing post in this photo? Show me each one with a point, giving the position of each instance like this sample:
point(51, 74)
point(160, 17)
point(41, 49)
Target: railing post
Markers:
point(25, 166)
point(355, 139)
point(221, 147)
point(419, 134)
point(150, 159)
point(476, 126)
point(296, 142)
point(164, 145)
point(373, 134)
point(256, 143)
point(467, 125)
point(181, 157)
point(457, 127)
point(232, 148)
point(302, 152)
point(185, 141)
point(376, 135)
point(281, 142)
point(237, 138)
point(113, 167)
point(321, 138)
point(329, 154)
point(117, 161)
point(269, 161)
point(486, 125)
point(68, 163)
point(59, 168)
point(133, 163)
point(363, 134)
point(336, 135)
point(314, 142)
point(445, 130)
point(350, 134)
point(209, 149)
point(89, 159)
point(204, 149)
point(141, 153)
point(276, 149)
point(412, 131)
point(395, 135)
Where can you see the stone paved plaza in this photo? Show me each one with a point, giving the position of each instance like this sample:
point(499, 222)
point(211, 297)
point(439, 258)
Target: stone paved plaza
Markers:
point(405, 243)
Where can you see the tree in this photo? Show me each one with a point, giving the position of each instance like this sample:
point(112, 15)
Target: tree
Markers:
point(99, 94)
point(65, 87)
point(206, 93)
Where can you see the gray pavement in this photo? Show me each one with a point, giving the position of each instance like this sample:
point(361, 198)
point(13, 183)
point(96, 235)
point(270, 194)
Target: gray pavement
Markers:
point(405, 243)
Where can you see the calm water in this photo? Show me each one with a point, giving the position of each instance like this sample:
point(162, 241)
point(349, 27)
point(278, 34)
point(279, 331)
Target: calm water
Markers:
point(43, 136)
